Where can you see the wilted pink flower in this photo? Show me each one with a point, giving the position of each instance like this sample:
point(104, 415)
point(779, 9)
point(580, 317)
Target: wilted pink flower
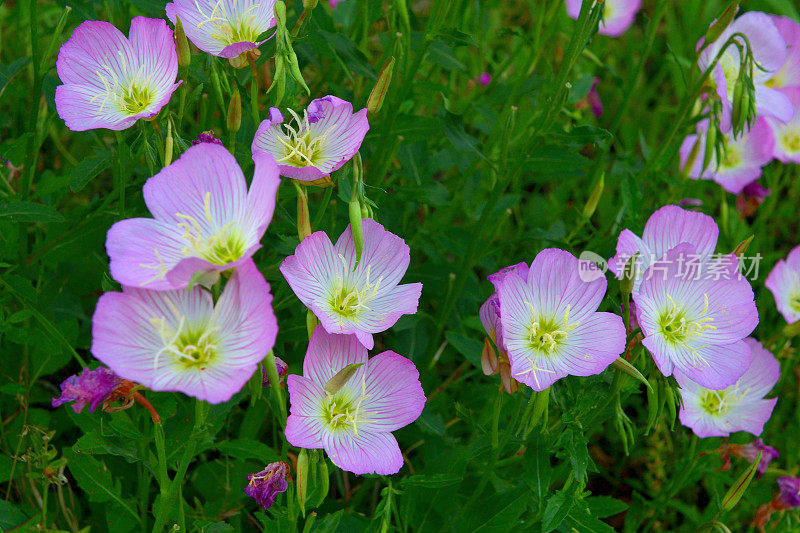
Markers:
point(618, 15)
point(750, 452)
point(314, 146)
point(353, 421)
point(695, 314)
point(750, 198)
point(281, 367)
point(551, 327)
point(334, 3)
point(787, 136)
point(264, 486)
point(787, 498)
point(592, 100)
point(769, 52)
point(92, 387)
point(784, 283)
point(789, 74)
point(738, 407)
point(742, 158)
point(180, 340)
point(207, 137)
point(346, 297)
point(110, 81)
point(690, 202)
point(667, 227)
point(224, 28)
point(205, 221)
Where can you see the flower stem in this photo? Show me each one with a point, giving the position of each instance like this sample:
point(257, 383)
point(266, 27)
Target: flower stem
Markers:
point(122, 176)
point(163, 477)
point(272, 374)
point(167, 500)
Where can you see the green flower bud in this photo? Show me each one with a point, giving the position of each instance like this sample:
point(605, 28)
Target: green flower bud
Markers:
point(354, 209)
point(302, 479)
point(629, 273)
point(234, 118)
point(594, 198)
point(341, 378)
point(721, 24)
point(739, 486)
point(378, 94)
point(168, 145)
point(182, 45)
point(711, 144)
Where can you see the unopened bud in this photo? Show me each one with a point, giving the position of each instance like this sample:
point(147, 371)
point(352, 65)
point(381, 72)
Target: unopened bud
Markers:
point(168, 145)
point(721, 24)
point(280, 15)
point(341, 378)
point(710, 148)
point(629, 273)
point(739, 106)
point(311, 322)
point(182, 45)
point(741, 248)
point(489, 363)
point(234, 117)
point(302, 479)
point(354, 209)
point(691, 159)
point(739, 486)
point(624, 366)
point(309, 4)
point(594, 198)
point(792, 330)
point(303, 216)
point(510, 384)
point(378, 94)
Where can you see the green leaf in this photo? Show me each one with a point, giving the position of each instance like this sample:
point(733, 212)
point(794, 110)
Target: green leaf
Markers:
point(537, 467)
point(247, 449)
point(10, 516)
point(506, 517)
point(96, 481)
point(575, 445)
point(24, 211)
point(88, 168)
point(440, 53)
point(557, 509)
point(605, 506)
point(7, 72)
point(469, 348)
point(431, 480)
point(581, 520)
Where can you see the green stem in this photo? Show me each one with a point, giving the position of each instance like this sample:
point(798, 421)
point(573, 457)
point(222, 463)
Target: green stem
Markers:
point(45, 493)
point(272, 374)
point(163, 477)
point(167, 501)
point(122, 175)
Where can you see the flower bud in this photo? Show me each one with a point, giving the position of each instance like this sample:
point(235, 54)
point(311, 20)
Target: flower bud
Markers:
point(182, 45)
point(711, 145)
point(624, 366)
point(354, 209)
point(739, 110)
point(309, 4)
point(168, 145)
point(792, 330)
point(280, 15)
point(721, 24)
point(594, 198)
point(302, 479)
point(234, 118)
point(341, 378)
point(378, 94)
point(489, 363)
point(741, 248)
point(739, 486)
point(311, 322)
point(629, 273)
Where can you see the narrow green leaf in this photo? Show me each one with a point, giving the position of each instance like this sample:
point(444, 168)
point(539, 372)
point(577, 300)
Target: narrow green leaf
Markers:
point(24, 211)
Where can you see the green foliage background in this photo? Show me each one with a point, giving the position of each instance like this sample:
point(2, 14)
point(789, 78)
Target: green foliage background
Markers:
point(473, 178)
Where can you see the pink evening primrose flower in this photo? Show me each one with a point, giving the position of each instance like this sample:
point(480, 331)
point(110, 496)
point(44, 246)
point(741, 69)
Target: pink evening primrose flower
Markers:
point(618, 15)
point(667, 227)
point(742, 158)
point(180, 340)
point(224, 28)
point(350, 298)
point(91, 387)
point(111, 81)
point(769, 52)
point(789, 74)
point(551, 327)
point(489, 312)
point(695, 313)
point(739, 407)
point(784, 284)
point(353, 424)
point(316, 144)
point(787, 136)
point(205, 221)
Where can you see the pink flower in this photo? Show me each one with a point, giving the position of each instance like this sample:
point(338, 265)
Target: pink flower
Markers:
point(666, 228)
point(784, 284)
point(224, 28)
point(353, 423)
point(789, 74)
point(787, 136)
point(787, 498)
point(769, 51)
point(550, 324)
point(484, 79)
point(738, 407)
point(750, 198)
point(264, 486)
point(618, 15)
point(750, 452)
point(742, 158)
point(205, 221)
point(349, 298)
point(180, 340)
point(91, 387)
point(695, 314)
point(319, 143)
point(110, 81)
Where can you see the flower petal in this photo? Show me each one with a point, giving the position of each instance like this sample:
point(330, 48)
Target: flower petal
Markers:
point(366, 453)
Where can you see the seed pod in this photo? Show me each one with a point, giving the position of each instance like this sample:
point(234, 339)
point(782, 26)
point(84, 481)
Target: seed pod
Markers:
point(378, 94)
